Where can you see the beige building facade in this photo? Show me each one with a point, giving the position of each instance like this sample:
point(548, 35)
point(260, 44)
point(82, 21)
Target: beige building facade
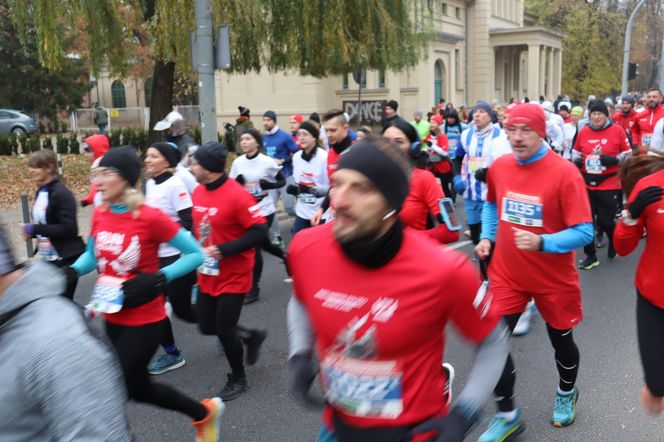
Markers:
point(481, 50)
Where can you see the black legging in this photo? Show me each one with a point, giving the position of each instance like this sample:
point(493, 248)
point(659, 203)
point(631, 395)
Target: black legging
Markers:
point(178, 293)
point(650, 330)
point(567, 363)
point(70, 288)
point(446, 183)
point(135, 347)
point(219, 315)
point(604, 204)
point(268, 247)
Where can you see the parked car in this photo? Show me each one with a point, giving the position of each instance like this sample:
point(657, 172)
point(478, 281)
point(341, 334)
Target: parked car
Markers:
point(16, 122)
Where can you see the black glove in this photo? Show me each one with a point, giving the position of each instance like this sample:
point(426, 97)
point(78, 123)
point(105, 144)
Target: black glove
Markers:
point(84, 203)
point(302, 376)
point(608, 160)
point(578, 163)
point(70, 274)
point(240, 179)
point(480, 174)
point(143, 288)
point(449, 428)
point(645, 197)
point(265, 184)
point(292, 189)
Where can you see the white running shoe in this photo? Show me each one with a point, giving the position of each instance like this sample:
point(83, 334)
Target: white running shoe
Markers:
point(447, 389)
point(523, 326)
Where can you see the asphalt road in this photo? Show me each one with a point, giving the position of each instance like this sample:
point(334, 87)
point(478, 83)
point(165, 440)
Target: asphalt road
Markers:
point(609, 381)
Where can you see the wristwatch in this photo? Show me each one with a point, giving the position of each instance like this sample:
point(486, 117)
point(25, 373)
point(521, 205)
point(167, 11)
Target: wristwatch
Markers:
point(626, 217)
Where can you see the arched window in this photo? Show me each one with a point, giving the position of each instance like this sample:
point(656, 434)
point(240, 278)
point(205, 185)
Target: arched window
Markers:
point(118, 94)
point(147, 89)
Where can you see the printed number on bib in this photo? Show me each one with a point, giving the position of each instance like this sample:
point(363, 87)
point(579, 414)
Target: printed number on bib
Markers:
point(525, 210)
point(209, 267)
point(594, 165)
point(306, 198)
point(107, 295)
point(476, 163)
point(364, 388)
point(46, 251)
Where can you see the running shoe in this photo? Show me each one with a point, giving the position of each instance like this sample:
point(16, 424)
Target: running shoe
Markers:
point(279, 242)
point(234, 387)
point(564, 410)
point(253, 344)
point(166, 362)
point(253, 295)
point(523, 325)
point(207, 430)
point(589, 263)
point(449, 381)
point(501, 430)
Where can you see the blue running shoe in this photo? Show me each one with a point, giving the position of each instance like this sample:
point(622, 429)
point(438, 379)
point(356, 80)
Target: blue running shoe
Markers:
point(166, 362)
point(564, 411)
point(501, 430)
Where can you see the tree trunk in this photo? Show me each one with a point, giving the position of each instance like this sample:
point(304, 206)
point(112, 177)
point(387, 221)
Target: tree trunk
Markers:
point(162, 96)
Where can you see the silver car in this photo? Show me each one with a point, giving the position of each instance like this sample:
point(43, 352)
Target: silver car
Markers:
point(16, 122)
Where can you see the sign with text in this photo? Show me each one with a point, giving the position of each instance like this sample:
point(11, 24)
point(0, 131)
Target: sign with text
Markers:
point(367, 111)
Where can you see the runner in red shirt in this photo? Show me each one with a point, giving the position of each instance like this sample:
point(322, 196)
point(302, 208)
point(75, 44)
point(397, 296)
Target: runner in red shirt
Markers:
point(537, 213)
point(228, 224)
point(643, 183)
point(438, 150)
point(379, 337)
point(627, 116)
point(422, 203)
point(644, 125)
point(598, 150)
point(123, 247)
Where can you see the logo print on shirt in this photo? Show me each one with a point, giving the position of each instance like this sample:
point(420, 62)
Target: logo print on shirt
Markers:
point(340, 301)
point(660, 210)
point(128, 259)
point(383, 309)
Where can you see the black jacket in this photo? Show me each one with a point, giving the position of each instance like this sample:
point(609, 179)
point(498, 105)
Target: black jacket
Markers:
point(61, 224)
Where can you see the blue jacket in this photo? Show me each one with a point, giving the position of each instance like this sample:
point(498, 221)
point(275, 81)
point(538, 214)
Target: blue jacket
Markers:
point(281, 146)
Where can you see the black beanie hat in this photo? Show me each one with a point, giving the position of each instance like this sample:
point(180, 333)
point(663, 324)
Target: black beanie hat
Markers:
point(629, 99)
point(254, 133)
point(393, 104)
point(311, 127)
point(315, 117)
point(170, 152)
point(271, 115)
point(390, 179)
point(125, 160)
point(244, 111)
point(212, 156)
point(598, 106)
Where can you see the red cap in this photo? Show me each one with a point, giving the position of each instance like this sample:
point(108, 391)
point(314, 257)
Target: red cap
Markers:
point(438, 119)
point(441, 105)
point(296, 117)
point(531, 115)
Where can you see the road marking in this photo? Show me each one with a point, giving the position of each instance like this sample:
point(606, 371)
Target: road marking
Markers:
point(458, 245)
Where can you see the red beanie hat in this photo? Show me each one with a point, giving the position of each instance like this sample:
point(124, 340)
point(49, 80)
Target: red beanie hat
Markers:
point(438, 119)
point(531, 115)
point(296, 117)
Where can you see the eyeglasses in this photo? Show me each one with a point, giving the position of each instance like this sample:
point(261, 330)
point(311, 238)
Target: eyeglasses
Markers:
point(103, 172)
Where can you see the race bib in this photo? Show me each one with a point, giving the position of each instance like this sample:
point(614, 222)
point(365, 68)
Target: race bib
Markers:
point(594, 165)
point(46, 251)
point(524, 210)
point(209, 267)
point(107, 295)
point(363, 388)
point(476, 163)
point(306, 198)
point(646, 139)
point(253, 188)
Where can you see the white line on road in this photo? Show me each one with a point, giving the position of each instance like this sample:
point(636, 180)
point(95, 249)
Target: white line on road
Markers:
point(458, 245)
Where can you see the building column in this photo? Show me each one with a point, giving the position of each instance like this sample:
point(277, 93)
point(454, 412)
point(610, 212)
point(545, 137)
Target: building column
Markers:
point(542, 71)
point(550, 79)
point(533, 71)
point(557, 72)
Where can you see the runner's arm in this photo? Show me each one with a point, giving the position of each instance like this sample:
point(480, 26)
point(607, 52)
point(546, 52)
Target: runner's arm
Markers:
point(489, 361)
point(567, 240)
point(87, 262)
point(657, 142)
point(254, 236)
point(626, 237)
point(186, 220)
point(489, 221)
point(191, 257)
point(300, 334)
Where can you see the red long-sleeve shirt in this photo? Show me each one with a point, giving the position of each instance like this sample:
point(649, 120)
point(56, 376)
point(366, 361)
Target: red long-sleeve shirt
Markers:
point(644, 125)
point(627, 121)
point(649, 275)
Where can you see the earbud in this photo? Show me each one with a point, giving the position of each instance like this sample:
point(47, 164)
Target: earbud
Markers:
point(390, 214)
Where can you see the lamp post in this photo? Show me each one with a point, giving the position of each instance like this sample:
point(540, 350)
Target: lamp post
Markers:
point(628, 43)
